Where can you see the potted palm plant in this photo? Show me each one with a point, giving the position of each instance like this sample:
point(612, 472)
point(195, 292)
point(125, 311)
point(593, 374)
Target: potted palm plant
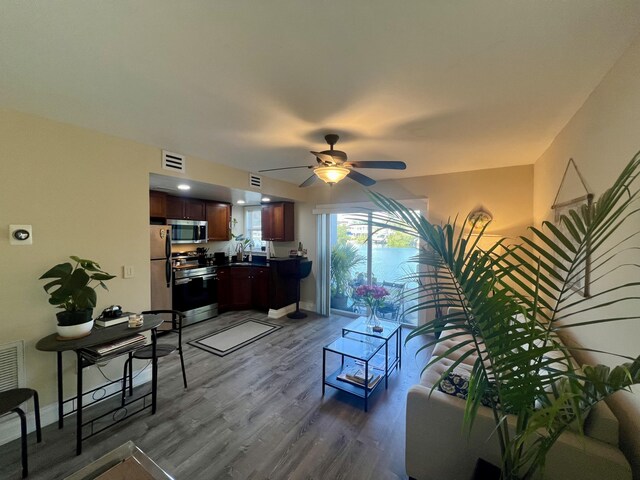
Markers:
point(73, 289)
point(344, 257)
point(516, 368)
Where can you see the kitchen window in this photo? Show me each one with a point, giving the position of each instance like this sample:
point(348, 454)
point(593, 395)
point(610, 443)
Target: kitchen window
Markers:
point(253, 227)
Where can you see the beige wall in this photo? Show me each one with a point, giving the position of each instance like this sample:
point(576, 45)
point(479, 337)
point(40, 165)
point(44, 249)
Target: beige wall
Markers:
point(86, 194)
point(506, 192)
point(601, 138)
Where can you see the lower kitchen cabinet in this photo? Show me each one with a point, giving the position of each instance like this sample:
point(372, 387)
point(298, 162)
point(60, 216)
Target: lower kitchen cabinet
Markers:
point(260, 288)
point(241, 288)
point(224, 289)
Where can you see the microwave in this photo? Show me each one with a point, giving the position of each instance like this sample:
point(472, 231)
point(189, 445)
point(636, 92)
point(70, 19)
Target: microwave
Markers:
point(188, 231)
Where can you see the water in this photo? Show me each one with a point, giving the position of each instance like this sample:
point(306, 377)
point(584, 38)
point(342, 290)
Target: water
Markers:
point(389, 265)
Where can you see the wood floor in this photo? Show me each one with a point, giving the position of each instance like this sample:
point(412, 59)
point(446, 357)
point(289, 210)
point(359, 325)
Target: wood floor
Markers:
point(257, 413)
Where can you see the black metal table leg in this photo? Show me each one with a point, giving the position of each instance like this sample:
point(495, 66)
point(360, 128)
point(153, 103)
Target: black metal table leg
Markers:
point(79, 404)
point(60, 393)
point(366, 385)
point(324, 363)
point(399, 334)
point(154, 370)
point(386, 364)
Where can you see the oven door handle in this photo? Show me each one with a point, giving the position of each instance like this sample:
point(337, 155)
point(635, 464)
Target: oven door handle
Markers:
point(210, 277)
point(183, 281)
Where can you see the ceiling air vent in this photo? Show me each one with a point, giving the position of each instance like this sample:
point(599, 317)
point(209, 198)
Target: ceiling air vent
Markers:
point(11, 365)
point(255, 181)
point(173, 162)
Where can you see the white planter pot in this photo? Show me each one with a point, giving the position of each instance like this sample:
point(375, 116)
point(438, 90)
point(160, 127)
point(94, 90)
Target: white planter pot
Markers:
point(75, 331)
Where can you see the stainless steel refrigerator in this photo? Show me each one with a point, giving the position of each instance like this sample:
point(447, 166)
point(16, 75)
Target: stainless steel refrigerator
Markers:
point(161, 268)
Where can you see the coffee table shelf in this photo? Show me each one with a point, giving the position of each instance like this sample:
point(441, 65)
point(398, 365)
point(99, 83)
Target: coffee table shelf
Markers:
point(351, 349)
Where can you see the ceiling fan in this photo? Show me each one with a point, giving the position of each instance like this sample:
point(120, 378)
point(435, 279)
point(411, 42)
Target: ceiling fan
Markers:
point(332, 166)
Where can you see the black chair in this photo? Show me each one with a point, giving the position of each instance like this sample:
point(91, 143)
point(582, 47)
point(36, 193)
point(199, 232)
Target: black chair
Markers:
point(394, 306)
point(10, 401)
point(174, 325)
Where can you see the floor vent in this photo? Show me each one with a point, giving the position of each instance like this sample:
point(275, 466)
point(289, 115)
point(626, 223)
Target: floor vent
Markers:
point(12, 365)
point(173, 162)
point(255, 181)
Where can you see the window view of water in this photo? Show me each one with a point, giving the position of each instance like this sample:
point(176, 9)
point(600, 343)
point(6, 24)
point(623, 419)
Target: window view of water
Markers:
point(391, 253)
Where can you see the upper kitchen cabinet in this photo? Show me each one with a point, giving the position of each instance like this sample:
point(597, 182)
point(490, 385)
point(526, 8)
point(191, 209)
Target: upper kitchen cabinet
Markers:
point(218, 220)
point(157, 204)
point(185, 208)
point(277, 222)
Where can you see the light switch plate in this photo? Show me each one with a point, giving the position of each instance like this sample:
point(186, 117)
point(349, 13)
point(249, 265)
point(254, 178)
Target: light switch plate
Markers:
point(14, 241)
point(127, 271)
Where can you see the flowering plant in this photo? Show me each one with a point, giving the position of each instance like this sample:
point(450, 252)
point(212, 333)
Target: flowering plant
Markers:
point(371, 295)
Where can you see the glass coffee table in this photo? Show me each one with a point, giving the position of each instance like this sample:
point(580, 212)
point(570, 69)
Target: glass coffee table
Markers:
point(389, 330)
point(355, 375)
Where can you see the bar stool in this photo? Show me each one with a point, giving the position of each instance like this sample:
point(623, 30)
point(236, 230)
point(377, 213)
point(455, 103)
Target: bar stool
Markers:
point(303, 269)
point(10, 401)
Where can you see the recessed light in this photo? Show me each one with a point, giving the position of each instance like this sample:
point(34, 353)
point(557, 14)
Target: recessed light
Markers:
point(184, 186)
point(266, 199)
point(241, 202)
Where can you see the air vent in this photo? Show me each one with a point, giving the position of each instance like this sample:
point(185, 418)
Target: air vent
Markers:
point(173, 162)
point(11, 365)
point(255, 181)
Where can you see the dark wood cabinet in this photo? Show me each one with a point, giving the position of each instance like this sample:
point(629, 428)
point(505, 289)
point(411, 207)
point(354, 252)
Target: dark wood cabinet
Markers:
point(224, 289)
point(157, 204)
point(241, 293)
point(242, 288)
point(260, 288)
point(185, 208)
point(218, 220)
point(277, 222)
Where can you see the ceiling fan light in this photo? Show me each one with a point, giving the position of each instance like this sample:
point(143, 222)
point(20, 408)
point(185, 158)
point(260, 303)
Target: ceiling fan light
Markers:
point(331, 174)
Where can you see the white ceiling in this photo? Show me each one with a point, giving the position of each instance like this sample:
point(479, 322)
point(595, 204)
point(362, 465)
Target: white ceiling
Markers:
point(442, 85)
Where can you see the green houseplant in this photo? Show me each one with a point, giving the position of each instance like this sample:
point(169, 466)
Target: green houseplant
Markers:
point(73, 289)
point(510, 308)
point(344, 257)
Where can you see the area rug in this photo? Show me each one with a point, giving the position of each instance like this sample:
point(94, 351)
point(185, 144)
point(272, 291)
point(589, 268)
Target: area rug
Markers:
point(234, 337)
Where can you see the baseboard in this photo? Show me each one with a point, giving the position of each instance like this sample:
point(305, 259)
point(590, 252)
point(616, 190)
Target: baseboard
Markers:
point(281, 312)
point(10, 424)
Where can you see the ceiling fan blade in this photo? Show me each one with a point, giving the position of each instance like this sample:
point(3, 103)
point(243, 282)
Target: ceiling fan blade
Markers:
point(285, 168)
point(325, 158)
point(388, 165)
point(361, 179)
point(309, 181)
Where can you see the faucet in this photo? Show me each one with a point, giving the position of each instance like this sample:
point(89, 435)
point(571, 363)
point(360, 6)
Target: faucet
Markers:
point(240, 252)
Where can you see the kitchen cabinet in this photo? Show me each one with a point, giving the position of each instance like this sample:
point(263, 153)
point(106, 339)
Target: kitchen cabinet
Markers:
point(218, 220)
point(277, 222)
point(224, 289)
point(241, 293)
point(157, 204)
point(185, 208)
point(260, 288)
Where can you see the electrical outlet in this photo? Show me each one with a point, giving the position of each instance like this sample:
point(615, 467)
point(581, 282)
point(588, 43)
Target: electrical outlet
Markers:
point(127, 271)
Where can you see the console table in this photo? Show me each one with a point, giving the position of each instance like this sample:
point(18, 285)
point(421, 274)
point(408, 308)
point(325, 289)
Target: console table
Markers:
point(99, 336)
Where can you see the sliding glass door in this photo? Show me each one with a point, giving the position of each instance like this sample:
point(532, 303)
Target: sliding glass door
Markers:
point(361, 254)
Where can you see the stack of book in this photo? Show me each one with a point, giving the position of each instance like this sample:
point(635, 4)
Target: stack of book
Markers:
point(109, 322)
point(355, 375)
point(113, 348)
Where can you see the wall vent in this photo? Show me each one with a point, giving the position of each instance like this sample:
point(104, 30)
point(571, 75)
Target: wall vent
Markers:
point(255, 181)
point(12, 365)
point(173, 162)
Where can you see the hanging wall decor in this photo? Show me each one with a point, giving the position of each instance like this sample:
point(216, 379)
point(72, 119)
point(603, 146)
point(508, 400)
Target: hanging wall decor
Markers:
point(561, 208)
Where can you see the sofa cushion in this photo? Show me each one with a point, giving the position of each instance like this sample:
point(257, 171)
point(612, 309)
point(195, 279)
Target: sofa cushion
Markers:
point(602, 424)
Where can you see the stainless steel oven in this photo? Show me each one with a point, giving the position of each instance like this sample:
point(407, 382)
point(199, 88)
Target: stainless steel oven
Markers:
point(195, 293)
